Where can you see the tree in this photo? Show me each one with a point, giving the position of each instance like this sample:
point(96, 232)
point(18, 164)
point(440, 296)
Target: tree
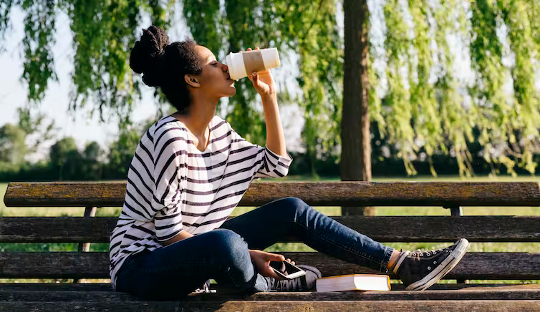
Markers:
point(355, 134)
point(66, 159)
point(104, 32)
point(12, 144)
point(121, 152)
point(412, 64)
point(25, 138)
point(91, 165)
point(37, 128)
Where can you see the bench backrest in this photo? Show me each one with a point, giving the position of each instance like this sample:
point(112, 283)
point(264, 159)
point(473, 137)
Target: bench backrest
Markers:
point(445, 194)
point(508, 265)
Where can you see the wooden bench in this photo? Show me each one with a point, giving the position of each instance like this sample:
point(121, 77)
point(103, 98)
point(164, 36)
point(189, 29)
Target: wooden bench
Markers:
point(444, 297)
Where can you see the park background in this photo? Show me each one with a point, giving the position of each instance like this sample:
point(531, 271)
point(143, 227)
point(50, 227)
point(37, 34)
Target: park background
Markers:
point(369, 90)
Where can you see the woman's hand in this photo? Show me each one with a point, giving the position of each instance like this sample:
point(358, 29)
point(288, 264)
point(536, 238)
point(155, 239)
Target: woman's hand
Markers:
point(262, 81)
point(261, 261)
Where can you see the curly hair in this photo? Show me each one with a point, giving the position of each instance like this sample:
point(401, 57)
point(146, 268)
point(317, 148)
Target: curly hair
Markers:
point(164, 65)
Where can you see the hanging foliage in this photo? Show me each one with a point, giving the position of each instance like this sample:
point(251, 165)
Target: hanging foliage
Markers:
point(426, 109)
point(419, 98)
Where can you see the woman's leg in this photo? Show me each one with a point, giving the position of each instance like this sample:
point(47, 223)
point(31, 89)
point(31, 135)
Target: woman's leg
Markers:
point(291, 219)
point(178, 269)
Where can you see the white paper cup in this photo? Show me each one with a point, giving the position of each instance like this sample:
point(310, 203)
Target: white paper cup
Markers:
point(244, 63)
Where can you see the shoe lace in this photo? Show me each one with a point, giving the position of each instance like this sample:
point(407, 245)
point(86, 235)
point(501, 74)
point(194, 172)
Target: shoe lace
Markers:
point(286, 285)
point(427, 253)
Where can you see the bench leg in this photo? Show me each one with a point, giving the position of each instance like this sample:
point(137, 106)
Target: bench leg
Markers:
point(457, 212)
point(89, 212)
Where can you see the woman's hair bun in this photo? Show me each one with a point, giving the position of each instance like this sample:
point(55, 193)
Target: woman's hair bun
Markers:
point(147, 54)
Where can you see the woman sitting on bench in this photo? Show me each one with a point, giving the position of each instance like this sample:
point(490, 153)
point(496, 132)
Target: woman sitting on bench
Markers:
point(189, 172)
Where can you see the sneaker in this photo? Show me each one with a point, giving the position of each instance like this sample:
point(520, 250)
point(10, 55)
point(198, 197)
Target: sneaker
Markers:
point(302, 283)
point(421, 269)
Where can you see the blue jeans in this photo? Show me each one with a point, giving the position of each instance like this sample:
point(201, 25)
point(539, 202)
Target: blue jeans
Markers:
point(223, 254)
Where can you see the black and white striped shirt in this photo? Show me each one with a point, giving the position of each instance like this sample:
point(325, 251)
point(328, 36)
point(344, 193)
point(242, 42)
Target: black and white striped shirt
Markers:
point(173, 187)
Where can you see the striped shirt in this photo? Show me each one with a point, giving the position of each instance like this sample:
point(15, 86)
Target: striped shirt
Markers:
point(173, 187)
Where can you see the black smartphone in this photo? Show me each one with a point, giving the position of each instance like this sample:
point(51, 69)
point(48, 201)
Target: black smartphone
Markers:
point(286, 269)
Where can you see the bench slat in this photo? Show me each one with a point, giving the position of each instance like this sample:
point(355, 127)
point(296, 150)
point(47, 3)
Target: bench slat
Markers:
point(488, 266)
point(278, 306)
point(482, 293)
point(404, 229)
point(314, 193)
point(106, 287)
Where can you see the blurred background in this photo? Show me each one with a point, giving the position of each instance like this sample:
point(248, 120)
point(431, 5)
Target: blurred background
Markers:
point(390, 89)
point(375, 88)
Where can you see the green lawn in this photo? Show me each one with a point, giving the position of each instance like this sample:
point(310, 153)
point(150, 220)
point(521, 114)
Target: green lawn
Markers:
point(383, 211)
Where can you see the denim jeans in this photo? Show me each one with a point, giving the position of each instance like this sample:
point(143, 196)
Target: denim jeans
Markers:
point(223, 254)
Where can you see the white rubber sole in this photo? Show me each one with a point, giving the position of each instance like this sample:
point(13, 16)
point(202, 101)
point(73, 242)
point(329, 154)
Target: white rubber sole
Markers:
point(446, 266)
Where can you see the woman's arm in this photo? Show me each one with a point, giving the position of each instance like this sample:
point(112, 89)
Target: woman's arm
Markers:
point(170, 164)
point(266, 87)
point(180, 236)
point(275, 140)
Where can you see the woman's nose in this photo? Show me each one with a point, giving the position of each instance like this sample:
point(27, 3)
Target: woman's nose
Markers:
point(225, 67)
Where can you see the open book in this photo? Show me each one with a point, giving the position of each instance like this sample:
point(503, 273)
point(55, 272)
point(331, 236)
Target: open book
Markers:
point(349, 282)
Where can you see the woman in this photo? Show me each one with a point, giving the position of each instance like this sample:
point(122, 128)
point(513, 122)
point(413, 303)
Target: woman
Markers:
point(189, 172)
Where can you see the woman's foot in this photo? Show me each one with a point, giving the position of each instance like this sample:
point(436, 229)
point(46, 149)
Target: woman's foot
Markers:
point(302, 283)
point(421, 269)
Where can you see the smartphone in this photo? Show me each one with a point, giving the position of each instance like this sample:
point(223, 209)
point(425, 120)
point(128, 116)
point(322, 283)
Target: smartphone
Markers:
point(286, 269)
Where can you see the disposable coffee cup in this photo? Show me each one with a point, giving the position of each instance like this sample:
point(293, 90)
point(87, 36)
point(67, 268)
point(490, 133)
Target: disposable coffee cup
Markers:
point(244, 63)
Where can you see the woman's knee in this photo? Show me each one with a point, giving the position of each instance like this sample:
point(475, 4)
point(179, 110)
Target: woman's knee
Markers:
point(293, 205)
point(231, 247)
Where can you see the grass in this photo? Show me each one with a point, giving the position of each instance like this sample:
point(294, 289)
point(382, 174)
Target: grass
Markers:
point(331, 210)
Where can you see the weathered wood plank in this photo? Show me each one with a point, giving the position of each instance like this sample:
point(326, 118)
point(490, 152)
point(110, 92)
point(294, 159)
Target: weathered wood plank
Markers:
point(56, 230)
point(279, 306)
point(84, 287)
point(404, 229)
point(519, 266)
point(112, 296)
point(448, 194)
point(106, 287)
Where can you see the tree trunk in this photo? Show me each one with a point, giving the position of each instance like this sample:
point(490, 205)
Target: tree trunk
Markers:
point(355, 136)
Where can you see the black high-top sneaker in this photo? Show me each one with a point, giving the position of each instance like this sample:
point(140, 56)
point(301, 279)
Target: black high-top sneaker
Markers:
point(302, 283)
point(420, 269)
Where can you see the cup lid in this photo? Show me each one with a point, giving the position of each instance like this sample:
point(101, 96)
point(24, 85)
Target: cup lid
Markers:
point(229, 63)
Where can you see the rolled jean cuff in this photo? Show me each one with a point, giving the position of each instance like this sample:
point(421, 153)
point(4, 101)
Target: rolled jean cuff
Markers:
point(387, 254)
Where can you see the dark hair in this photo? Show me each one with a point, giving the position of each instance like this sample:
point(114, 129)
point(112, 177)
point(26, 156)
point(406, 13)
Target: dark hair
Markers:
point(164, 65)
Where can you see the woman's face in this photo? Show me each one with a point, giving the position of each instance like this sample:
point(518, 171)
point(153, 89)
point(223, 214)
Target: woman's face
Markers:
point(214, 79)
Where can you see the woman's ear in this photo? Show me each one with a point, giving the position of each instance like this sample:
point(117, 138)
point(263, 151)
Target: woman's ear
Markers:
point(192, 81)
